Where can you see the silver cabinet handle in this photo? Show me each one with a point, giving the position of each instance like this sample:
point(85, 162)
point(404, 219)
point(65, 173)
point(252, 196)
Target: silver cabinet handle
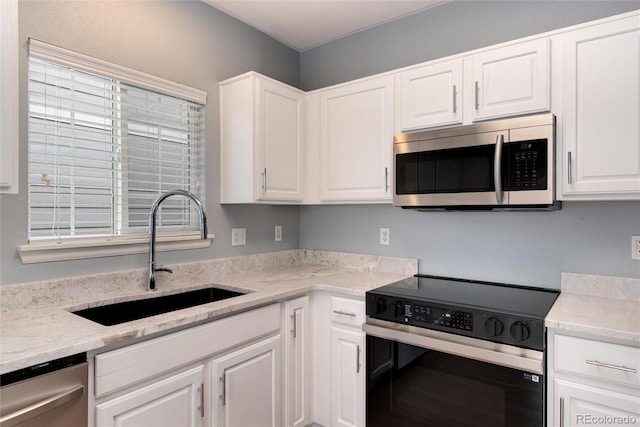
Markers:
point(344, 313)
point(358, 360)
point(455, 99)
point(201, 407)
point(609, 366)
point(497, 168)
point(569, 173)
point(386, 179)
point(562, 412)
point(295, 324)
point(477, 100)
point(264, 179)
point(223, 396)
point(41, 407)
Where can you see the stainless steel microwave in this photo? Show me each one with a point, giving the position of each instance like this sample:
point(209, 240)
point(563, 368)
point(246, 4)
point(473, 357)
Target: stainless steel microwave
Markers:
point(496, 165)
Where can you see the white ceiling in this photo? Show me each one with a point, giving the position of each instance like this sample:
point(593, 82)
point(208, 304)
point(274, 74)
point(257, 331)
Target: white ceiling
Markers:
point(304, 24)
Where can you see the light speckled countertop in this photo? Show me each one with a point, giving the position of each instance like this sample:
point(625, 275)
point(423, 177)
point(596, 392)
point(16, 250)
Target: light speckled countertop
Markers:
point(36, 324)
point(604, 308)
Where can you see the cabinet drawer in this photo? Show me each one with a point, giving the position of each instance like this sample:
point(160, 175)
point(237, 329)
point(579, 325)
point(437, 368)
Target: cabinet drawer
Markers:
point(346, 311)
point(597, 359)
point(118, 369)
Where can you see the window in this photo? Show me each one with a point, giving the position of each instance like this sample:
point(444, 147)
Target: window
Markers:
point(102, 149)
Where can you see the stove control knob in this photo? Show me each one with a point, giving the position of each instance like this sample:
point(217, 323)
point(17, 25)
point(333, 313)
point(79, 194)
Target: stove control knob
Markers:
point(381, 305)
point(520, 331)
point(494, 327)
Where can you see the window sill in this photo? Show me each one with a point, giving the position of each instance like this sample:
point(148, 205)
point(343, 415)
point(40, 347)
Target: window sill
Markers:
point(63, 250)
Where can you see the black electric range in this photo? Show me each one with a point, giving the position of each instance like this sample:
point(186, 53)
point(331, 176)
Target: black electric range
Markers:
point(502, 313)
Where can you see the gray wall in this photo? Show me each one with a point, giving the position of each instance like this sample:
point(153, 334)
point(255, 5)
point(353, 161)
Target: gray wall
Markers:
point(452, 28)
point(517, 247)
point(184, 41)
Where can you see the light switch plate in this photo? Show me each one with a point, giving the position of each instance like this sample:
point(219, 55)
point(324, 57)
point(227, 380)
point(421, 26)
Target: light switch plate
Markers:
point(278, 233)
point(635, 247)
point(384, 236)
point(238, 236)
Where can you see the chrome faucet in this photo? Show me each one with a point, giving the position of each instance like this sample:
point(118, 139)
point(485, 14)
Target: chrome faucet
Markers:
point(152, 232)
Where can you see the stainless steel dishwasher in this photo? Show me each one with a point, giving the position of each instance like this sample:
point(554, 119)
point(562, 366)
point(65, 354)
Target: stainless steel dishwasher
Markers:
point(52, 394)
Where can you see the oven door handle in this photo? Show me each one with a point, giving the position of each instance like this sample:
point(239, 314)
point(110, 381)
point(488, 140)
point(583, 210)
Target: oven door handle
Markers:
point(471, 348)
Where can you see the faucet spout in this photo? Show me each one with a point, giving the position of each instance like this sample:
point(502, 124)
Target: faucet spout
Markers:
point(152, 231)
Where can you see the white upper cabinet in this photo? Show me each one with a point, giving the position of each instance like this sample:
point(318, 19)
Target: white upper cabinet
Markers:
point(431, 95)
point(511, 80)
point(261, 140)
point(601, 106)
point(356, 137)
point(506, 81)
point(9, 49)
point(344, 134)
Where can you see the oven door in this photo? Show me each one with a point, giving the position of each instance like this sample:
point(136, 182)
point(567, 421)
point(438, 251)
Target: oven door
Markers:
point(419, 378)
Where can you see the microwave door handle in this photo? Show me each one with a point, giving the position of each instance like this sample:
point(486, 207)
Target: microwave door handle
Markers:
point(497, 168)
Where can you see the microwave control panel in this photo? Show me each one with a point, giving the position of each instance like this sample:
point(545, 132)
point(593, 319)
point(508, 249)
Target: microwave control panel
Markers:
point(527, 165)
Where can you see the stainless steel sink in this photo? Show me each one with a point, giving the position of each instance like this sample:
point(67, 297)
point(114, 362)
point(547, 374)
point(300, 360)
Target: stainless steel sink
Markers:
point(121, 312)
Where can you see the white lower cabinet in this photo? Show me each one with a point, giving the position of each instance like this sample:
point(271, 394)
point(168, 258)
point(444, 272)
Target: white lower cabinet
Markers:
point(287, 364)
point(592, 382)
point(347, 377)
point(246, 389)
point(584, 405)
point(296, 362)
point(168, 402)
point(174, 381)
point(338, 379)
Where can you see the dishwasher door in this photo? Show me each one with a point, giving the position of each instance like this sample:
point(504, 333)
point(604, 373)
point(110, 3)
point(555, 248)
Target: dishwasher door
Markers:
point(53, 399)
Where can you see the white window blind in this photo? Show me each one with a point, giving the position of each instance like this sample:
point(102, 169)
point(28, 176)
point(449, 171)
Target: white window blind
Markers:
point(101, 150)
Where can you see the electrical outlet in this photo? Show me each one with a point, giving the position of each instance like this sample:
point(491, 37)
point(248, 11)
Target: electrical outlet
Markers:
point(238, 236)
point(278, 233)
point(384, 236)
point(635, 247)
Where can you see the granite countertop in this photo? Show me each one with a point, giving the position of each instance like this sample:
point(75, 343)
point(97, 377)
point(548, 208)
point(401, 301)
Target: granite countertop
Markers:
point(36, 324)
point(36, 328)
point(603, 308)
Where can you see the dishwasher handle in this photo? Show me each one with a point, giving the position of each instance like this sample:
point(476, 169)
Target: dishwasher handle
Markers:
point(41, 407)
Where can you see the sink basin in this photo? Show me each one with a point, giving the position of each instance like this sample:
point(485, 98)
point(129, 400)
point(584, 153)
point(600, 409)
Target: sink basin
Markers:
point(121, 312)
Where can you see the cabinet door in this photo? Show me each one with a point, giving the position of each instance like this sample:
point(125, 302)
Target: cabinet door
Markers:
point(246, 386)
point(356, 137)
point(601, 106)
point(9, 55)
point(279, 146)
point(348, 377)
point(174, 401)
point(431, 95)
point(296, 356)
point(511, 80)
point(579, 405)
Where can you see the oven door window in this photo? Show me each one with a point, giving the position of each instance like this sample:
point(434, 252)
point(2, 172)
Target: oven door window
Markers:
point(412, 386)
